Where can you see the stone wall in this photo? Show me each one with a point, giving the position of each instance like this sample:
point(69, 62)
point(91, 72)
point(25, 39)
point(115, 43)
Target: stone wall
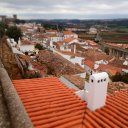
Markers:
point(8, 60)
point(18, 115)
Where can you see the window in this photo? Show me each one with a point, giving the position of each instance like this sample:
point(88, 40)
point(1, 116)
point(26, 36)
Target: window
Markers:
point(105, 79)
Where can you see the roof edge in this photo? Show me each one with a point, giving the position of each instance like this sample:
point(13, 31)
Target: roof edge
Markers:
point(18, 114)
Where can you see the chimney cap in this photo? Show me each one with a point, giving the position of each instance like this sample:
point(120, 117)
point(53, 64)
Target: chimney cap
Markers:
point(98, 76)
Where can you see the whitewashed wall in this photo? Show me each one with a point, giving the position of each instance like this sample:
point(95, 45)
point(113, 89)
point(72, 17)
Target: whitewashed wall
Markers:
point(72, 60)
point(71, 36)
point(56, 39)
point(27, 48)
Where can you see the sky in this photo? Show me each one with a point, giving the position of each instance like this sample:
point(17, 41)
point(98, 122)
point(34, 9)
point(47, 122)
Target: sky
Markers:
point(65, 9)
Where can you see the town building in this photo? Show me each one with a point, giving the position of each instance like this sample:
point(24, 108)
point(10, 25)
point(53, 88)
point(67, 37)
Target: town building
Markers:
point(69, 34)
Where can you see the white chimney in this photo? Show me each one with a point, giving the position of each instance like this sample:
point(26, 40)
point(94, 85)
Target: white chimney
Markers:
point(74, 48)
point(97, 90)
point(51, 44)
point(19, 43)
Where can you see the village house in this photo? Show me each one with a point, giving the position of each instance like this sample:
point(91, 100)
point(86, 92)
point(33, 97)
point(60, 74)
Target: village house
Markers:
point(92, 44)
point(69, 44)
point(51, 31)
point(92, 30)
point(55, 37)
point(103, 66)
point(26, 46)
point(69, 34)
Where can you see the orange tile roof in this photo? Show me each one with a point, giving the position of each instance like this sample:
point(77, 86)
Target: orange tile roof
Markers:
point(59, 43)
point(51, 30)
point(69, 39)
point(89, 63)
point(92, 42)
point(110, 69)
point(52, 35)
point(118, 45)
point(26, 42)
point(40, 36)
point(50, 104)
point(69, 33)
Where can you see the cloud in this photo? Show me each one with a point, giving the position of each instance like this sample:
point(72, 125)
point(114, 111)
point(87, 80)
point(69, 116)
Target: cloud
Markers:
point(50, 9)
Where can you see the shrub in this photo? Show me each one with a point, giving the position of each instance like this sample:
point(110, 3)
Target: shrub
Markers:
point(38, 46)
point(120, 77)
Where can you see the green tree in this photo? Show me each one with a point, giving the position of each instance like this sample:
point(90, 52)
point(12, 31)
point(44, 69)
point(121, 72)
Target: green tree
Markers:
point(38, 46)
point(20, 21)
point(2, 29)
point(14, 32)
point(2, 32)
point(120, 77)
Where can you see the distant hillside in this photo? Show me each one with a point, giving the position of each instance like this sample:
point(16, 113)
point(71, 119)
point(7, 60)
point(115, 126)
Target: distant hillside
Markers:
point(87, 23)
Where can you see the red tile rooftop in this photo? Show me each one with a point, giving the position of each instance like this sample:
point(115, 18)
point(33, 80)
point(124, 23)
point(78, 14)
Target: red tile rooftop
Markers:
point(71, 39)
point(92, 42)
point(69, 33)
point(51, 30)
point(112, 70)
point(50, 104)
point(26, 42)
point(90, 63)
point(118, 45)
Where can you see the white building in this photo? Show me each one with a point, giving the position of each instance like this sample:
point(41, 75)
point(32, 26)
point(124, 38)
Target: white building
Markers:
point(55, 38)
point(26, 46)
point(70, 34)
point(92, 30)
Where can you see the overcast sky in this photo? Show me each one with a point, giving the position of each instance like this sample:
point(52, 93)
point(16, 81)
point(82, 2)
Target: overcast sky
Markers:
point(65, 9)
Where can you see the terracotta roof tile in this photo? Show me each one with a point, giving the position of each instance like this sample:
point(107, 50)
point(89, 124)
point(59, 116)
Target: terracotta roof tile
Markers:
point(69, 33)
point(89, 63)
point(118, 45)
point(76, 80)
point(91, 42)
point(26, 42)
point(112, 70)
point(50, 104)
point(51, 30)
point(59, 64)
point(69, 40)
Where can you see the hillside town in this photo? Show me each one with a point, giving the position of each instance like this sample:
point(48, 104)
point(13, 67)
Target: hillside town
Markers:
point(53, 78)
point(64, 53)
